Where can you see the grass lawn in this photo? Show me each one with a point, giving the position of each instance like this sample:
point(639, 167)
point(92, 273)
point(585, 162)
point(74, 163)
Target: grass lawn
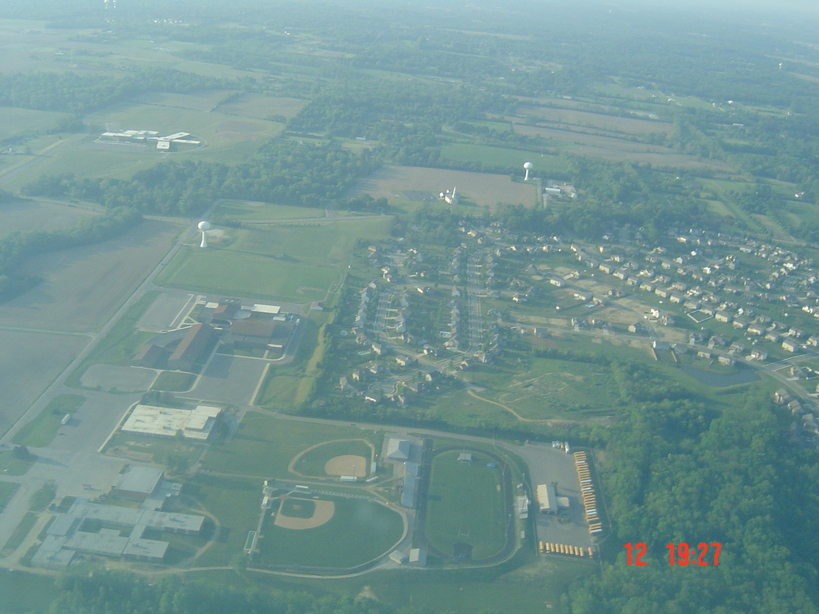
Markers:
point(264, 446)
point(235, 503)
point(312, 462)
point(40, 431)
point(153, 449)
point(174, 381)
point(279, 392)
point(320, 242)
point(358, 532)
point(121, 342)
point(249, 275)
point(14, 120)
point(501, 156)
point(465, 505)
point(22, 592)
point(7, 490)
point(544, 388)
point(21, 531)
point(240, 210)
point(9, 465)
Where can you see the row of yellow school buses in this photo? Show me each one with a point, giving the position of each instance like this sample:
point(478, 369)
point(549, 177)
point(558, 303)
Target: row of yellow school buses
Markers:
point(550, 548)
point(581, 465)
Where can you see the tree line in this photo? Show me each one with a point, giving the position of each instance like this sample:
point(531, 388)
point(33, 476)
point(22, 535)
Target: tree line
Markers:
point(283, 171)
point(17, 246)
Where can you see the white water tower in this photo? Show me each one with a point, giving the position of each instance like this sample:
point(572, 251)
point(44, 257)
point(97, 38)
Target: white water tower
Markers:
point(528, 166)
point(204, 227)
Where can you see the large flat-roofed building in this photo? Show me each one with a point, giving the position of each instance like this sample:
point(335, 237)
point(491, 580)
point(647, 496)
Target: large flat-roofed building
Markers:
point(64, 537)
point(196, 424)
point(137, 482)
point(191, 348)
point(546, 499)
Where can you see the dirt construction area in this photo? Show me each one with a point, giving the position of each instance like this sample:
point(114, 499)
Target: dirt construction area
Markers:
point(347, 465)
point(322, 514)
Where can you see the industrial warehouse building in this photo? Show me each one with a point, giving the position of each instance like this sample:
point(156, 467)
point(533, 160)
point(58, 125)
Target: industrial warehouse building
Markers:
point(196, 424)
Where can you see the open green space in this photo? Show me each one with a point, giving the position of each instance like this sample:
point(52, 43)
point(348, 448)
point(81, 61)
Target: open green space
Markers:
point(279, 392)
point(23, 593)
point(358, 532)
point(7, 490)
point(312, 462)
point(263, 446)
point(216, 128)
point(240, 210)
point(235, 503)
point(465, 507)
point(330, 242)
point(40, 431)
point(543, 388)
point(174, 454)
point(263, 107)
point(121, 343)
point(13, 465)
point(14, 120)
point(20, 532)
point(174, 381)
point(249, 275)
point(490, 156)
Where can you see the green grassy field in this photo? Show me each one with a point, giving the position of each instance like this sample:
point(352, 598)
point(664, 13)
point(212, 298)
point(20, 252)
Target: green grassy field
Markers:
point(330, 242)
point(501, 156)
point(216, 128)
point(235, 503)
point(22, 593)
point(14, 466)
point(249, 275)
point(263, 107)
point(20, 532)
point(358, 532)
point(121, 342)
point(174, 381)
point(312, 462)
point(14, 120)
point(7, 490)
point(155, 449)
point(238, 210)
point(465, 505)
point(264, 446)
point(279, 392)
point(40, 431)
point(546, 388)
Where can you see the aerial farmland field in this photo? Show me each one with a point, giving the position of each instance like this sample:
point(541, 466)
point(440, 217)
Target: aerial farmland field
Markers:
point(82, 287)
point(484, 189)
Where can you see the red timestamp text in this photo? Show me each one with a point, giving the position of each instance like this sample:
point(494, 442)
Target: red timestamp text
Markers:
point(682, 554)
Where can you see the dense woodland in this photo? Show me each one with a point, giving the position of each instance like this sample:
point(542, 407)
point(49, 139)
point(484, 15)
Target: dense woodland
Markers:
point(124, 593)
point(286, 172)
